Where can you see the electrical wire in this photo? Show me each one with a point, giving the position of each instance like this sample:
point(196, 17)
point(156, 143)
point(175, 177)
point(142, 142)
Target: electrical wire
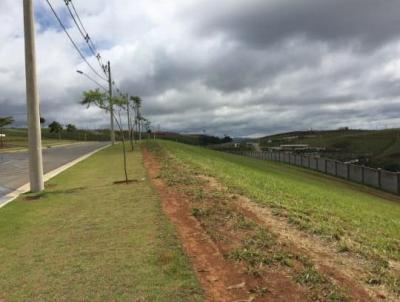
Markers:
point(73, 42)
point(94, 81)
point(79, 24)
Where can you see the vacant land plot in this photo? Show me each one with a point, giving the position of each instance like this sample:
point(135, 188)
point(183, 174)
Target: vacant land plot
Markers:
point(87, 239)
point(17, 143)
point(17, 139)
point(357, 222)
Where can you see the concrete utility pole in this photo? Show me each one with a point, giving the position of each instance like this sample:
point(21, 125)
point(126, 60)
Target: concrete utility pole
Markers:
point(34, 130)
point(112, 133)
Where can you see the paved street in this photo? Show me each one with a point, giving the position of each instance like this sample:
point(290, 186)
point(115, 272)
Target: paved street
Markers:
point(14, 165)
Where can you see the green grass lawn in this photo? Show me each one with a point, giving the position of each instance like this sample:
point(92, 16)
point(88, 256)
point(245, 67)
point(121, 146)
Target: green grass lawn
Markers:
point(17, 139)
point(359, 221)
point(87, 239)
point(18, 143)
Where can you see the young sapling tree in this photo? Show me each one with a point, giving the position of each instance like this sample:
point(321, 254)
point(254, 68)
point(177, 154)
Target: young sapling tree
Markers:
point(102, 101)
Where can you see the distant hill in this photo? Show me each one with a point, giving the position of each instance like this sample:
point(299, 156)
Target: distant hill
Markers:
point(79, 134)
point(192, 139)
point(18, 136)
point(374, 148)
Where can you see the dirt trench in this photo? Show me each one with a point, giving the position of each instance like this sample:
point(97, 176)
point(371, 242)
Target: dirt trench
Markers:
point(226, 280)
point(346, 269)
point(222, 280)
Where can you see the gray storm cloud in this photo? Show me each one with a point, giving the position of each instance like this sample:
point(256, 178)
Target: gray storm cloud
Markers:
point(262, 23)
point(232, 67)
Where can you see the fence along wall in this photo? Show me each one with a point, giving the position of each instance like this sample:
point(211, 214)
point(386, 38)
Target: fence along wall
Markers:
point(377, 178)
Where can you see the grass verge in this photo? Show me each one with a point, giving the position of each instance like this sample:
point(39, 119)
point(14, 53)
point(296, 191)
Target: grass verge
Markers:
point(242, 239)
point(357, 221)
point(86, 239)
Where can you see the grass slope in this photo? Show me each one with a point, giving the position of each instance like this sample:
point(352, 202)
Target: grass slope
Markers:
point(86, 239)
point(341, 212)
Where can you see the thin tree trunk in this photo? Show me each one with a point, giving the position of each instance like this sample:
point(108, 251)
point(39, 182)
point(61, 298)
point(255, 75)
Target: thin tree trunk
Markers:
point(131, 139)
point(123, 146)
point(125, 164)
point(135, 124)
point(137, 131)
point(129, 127)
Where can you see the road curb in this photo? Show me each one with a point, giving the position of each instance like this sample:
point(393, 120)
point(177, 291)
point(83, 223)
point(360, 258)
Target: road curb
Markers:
point(25, 188)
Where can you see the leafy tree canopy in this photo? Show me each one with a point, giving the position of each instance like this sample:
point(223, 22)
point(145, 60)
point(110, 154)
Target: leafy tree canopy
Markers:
point(5, 121)
point(227, 139)
point(55, 127)
point(136, 100)
point(71, 128)
point(95, 98)
point(120, 101)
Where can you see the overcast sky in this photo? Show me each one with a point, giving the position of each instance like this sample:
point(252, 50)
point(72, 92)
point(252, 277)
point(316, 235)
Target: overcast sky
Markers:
point(237, 67)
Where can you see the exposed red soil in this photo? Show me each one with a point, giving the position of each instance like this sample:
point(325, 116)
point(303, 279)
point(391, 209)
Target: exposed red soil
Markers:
point(221, 279)
point(346, 271)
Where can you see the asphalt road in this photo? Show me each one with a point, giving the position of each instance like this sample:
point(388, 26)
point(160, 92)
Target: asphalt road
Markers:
point(14, 165)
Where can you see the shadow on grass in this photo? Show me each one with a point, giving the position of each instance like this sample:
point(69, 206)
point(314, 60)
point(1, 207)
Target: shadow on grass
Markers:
point(37, 196)
point(124, 182)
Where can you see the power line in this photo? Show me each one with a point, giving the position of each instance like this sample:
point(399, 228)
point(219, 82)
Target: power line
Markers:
point(106, 70)
point(73, 42)
point(93, 80)
point(79, 24)
point(83, 27)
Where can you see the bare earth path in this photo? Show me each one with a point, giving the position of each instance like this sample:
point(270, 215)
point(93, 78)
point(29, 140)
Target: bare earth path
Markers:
point(215, 274)
point(226, 280)
point(222, 279)
point(346, 269)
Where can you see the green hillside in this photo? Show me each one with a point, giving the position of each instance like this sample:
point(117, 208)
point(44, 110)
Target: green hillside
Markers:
point(374, 148)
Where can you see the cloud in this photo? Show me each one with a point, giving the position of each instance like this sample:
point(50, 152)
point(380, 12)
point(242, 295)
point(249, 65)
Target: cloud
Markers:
point(227, 67)
point(261, 23)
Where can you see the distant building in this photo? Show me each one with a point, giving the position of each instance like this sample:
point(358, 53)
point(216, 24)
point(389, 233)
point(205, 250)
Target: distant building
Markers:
point(294, 147)
point(301, 148)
